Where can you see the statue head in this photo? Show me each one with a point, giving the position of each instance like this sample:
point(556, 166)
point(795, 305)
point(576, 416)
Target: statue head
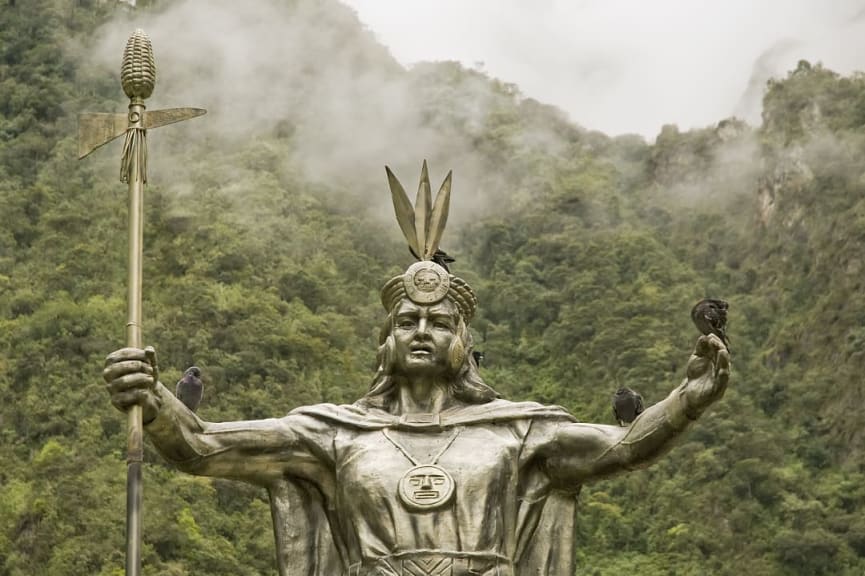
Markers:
point(426, 331)
point(447, 352)
point(425, 339)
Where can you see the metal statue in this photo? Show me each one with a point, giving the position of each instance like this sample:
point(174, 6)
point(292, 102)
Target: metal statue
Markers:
point(430, 472)
point(138, 78)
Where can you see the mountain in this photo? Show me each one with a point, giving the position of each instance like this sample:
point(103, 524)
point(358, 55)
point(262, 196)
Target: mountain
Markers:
point(269, 233)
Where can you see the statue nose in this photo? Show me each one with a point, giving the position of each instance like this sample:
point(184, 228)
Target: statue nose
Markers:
point(423, 328)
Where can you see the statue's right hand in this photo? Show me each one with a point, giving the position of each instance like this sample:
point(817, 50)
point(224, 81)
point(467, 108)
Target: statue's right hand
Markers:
point(131, 375)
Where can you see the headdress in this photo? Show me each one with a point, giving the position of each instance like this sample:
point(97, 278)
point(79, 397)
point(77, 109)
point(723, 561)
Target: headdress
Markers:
point(427, 281)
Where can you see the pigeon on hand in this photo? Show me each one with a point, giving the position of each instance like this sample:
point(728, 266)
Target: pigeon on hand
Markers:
point(627, 405)
point(710, 317)
point(190, 388)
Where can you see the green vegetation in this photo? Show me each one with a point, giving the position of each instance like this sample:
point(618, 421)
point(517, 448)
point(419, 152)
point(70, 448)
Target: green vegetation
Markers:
point(586, 268)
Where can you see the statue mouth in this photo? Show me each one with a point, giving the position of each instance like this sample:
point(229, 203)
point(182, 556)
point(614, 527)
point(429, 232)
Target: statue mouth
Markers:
point(426, 494)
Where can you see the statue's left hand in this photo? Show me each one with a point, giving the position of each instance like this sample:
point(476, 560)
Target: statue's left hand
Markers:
point(708, 373)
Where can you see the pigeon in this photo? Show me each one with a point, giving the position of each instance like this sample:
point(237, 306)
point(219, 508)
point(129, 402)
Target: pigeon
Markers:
point(627, 405)
point(479, 357)
point(440, 257)
point(443, 259)
point(710, 317)
point(190, 388)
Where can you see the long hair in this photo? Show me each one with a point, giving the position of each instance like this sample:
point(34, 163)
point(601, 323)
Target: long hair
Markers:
point(464, 382)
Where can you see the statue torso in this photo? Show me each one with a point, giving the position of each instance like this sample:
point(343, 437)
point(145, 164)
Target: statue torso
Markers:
point(385, 522)
point(482, 461)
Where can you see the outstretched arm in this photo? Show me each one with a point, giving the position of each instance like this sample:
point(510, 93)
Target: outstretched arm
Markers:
point(257, 451)
point(577, 453)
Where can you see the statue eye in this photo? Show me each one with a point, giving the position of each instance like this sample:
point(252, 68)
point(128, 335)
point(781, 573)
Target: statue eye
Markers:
point(443, 322)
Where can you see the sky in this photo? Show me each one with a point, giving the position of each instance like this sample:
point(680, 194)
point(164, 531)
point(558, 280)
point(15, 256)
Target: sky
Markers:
point(628, 66)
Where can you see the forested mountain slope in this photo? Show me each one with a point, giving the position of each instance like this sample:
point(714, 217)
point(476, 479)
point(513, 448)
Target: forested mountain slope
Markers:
point(268, 236)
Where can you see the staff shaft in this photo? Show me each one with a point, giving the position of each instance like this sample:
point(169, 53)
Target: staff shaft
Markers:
point(135, 432)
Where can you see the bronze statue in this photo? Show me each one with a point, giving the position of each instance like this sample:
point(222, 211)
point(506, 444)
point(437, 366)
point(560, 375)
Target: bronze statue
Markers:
point(430, 472)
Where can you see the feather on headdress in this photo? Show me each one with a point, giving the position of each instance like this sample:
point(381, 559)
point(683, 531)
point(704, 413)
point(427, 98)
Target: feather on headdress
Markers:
point(423, 224)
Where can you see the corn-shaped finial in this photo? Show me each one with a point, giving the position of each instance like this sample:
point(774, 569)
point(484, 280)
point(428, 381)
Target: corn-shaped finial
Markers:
point(138, 71)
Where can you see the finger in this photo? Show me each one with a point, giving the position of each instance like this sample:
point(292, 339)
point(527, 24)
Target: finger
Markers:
point(716, 342)
point(698, 366)
point(724, 358)
point(124, 354)
point(114, 371)
point(703, 347)
point(718, 347)
point(722, 367)
point(134, 381)
point(126, 400)
point(150, 353)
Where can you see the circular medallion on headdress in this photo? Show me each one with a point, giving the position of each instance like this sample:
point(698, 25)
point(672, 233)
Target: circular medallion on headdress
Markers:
point(426, 282)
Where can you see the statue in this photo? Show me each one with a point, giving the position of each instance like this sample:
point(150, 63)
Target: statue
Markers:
point(431, 472)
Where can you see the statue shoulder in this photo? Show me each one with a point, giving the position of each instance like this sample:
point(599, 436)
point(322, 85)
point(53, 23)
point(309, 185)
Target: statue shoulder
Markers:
point(504, 410)
point(499, 410)
point(351, 415)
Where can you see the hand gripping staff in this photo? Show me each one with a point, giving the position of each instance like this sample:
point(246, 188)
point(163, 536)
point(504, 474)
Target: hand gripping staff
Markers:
point(138, 76)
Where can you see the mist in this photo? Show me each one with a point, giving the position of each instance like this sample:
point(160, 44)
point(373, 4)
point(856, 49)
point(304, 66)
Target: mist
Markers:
point(306, 71)
point(627, 66)
point(311, 73)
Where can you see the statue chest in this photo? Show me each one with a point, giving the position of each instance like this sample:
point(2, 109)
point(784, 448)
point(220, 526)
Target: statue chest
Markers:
point(422, 471)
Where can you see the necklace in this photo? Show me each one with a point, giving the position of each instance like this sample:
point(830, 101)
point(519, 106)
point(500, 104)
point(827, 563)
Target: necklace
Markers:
point(425, 486)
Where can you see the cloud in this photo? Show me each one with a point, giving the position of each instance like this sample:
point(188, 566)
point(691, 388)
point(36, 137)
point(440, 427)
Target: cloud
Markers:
point(310, 72)
point(770, 64)
point(624, 65)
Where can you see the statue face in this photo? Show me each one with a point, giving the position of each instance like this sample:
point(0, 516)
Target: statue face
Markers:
point(423, 335)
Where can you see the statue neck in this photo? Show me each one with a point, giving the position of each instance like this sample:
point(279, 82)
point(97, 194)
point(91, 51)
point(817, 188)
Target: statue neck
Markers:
point(422, 395)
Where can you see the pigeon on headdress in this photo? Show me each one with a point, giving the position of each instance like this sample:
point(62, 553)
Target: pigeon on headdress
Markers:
point(710, 317)
point(440, 257)
point(627, 405)
point(479, 357)
point(190, 388)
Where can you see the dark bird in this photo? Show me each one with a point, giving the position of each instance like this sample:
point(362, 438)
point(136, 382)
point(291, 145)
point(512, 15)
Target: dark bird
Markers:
point(440, 257)
point(190, 388)
point(627, 405)
point(710, 317)
point(479, 357)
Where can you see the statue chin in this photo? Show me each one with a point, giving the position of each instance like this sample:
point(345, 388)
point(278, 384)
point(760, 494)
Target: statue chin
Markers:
point(421, 365)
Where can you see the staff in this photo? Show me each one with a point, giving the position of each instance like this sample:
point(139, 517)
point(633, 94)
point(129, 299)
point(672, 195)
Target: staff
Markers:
point(138, 77)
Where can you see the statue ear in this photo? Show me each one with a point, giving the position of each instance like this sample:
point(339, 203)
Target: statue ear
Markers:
point(456, 355)
point(457, 350)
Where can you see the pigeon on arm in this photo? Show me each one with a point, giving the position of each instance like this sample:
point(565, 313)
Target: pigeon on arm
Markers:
point(190, 388)
point(627, 405)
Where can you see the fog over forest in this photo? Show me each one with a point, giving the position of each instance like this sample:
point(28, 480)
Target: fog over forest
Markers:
point(269, 233)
